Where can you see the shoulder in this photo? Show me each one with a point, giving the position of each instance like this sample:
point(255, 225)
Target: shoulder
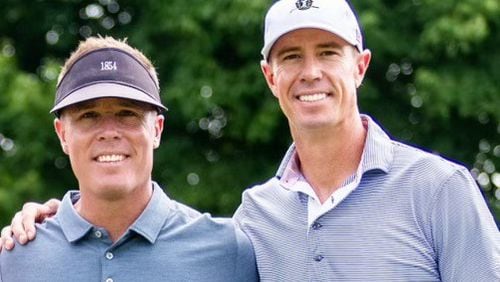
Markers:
point(420, 163)
point(50, 239)
point(194, 223)
point(427, 175)
point(183, 211)
point(446, 186)
point(267, 200)
point(263, 190)
point(219, 244)
point(182, 221)
point(211, 235)
point(265, 195)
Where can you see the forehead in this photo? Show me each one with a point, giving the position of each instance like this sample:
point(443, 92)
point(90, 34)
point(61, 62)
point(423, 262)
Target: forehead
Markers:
point(109, 103)
point(308, 37)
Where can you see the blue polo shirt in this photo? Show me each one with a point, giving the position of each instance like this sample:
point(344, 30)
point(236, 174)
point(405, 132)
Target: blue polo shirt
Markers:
point(406, 215)
point(168, 242)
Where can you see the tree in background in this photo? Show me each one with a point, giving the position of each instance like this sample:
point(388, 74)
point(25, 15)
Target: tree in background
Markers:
point(433, 81)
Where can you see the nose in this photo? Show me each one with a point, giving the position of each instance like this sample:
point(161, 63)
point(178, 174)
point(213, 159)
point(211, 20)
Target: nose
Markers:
point(109, 128)
point(311, 70)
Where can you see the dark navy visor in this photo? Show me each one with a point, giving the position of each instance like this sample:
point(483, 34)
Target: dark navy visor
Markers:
point(107, 72)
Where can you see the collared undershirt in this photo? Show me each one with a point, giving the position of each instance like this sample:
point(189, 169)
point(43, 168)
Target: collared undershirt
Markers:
point(314, 207)
point(294, 180)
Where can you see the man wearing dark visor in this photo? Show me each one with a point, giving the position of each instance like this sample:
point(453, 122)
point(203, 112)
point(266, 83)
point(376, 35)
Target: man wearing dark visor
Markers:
point(119, 225)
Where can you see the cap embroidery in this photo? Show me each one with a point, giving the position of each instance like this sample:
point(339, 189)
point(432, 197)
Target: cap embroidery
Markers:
point(304, 4)
point(358, 36)
point(108, 65)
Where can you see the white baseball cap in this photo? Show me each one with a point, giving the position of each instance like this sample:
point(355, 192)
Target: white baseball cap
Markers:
point(334, 16)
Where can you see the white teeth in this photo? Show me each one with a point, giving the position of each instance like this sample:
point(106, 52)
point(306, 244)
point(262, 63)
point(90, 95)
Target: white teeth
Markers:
point(312, 97)
point(110, 158)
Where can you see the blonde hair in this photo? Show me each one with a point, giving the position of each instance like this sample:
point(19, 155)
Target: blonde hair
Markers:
point(99, 42)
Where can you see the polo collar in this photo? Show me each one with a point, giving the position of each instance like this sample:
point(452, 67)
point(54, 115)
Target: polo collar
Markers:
point(147, 225)
point(377, 152)
point(73, 225)
point(152, 219)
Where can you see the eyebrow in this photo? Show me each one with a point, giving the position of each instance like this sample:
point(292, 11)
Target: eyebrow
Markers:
point(331, 44)
point(123, 103)
point(287, 50)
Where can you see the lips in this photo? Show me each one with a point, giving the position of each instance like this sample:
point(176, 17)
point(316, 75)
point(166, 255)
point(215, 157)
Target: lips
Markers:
point(313, 97)
point(110, 158)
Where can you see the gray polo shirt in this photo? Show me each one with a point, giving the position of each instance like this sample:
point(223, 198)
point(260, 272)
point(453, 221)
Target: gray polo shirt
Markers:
point(168, 242)
point(413, 216)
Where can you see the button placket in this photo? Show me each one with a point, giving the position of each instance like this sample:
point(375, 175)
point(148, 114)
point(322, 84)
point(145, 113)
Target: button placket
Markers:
point(318, 258)
point(109, 255)
point(316, 225)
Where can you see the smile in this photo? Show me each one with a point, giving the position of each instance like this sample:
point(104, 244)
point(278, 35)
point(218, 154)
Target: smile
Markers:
point(313, 97)
point(110, 158)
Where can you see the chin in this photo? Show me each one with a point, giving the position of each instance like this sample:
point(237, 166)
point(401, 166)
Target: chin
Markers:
point(315, 124)
point(112, 188)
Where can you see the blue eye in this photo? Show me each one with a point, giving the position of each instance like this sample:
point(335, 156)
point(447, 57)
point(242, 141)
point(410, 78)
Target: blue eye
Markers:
point(291, 57)
point(328, 53)
point(88, 115)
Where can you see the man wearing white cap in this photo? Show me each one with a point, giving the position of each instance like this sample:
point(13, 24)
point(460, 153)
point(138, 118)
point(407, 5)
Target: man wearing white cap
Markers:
point(348, 203)
point(120, 225)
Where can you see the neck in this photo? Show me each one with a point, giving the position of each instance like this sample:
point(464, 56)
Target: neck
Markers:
point(115, 214)
point(330, 155)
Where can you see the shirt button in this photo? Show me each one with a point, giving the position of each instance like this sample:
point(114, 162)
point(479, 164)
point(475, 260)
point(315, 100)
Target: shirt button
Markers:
point(109, 255)
point(109, 280)
point(318, 258)
point(316, 226)
point(98, 234)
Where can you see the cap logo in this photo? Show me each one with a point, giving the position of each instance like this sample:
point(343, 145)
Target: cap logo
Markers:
point(304, 4)
point(108, 65)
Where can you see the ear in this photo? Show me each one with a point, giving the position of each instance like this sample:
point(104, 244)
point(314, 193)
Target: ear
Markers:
point(61, 134)
point(269, 76)
point(159, 122)
point(362, 63)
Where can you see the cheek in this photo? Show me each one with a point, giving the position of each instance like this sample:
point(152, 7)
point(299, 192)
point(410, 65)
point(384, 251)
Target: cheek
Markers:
point(283, 77)
point(72, 142)
point(76, 149)
point(343, 74)
point(350, 71)
point(145, 138)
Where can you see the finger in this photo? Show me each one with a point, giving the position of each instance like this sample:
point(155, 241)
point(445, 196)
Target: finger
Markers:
point(17, 228)
point(31, 213)
point(7, 241)
point(52, 205)
point(35, 212)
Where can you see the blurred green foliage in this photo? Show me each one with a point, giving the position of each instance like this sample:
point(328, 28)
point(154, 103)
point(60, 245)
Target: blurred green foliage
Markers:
point(433, 82)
